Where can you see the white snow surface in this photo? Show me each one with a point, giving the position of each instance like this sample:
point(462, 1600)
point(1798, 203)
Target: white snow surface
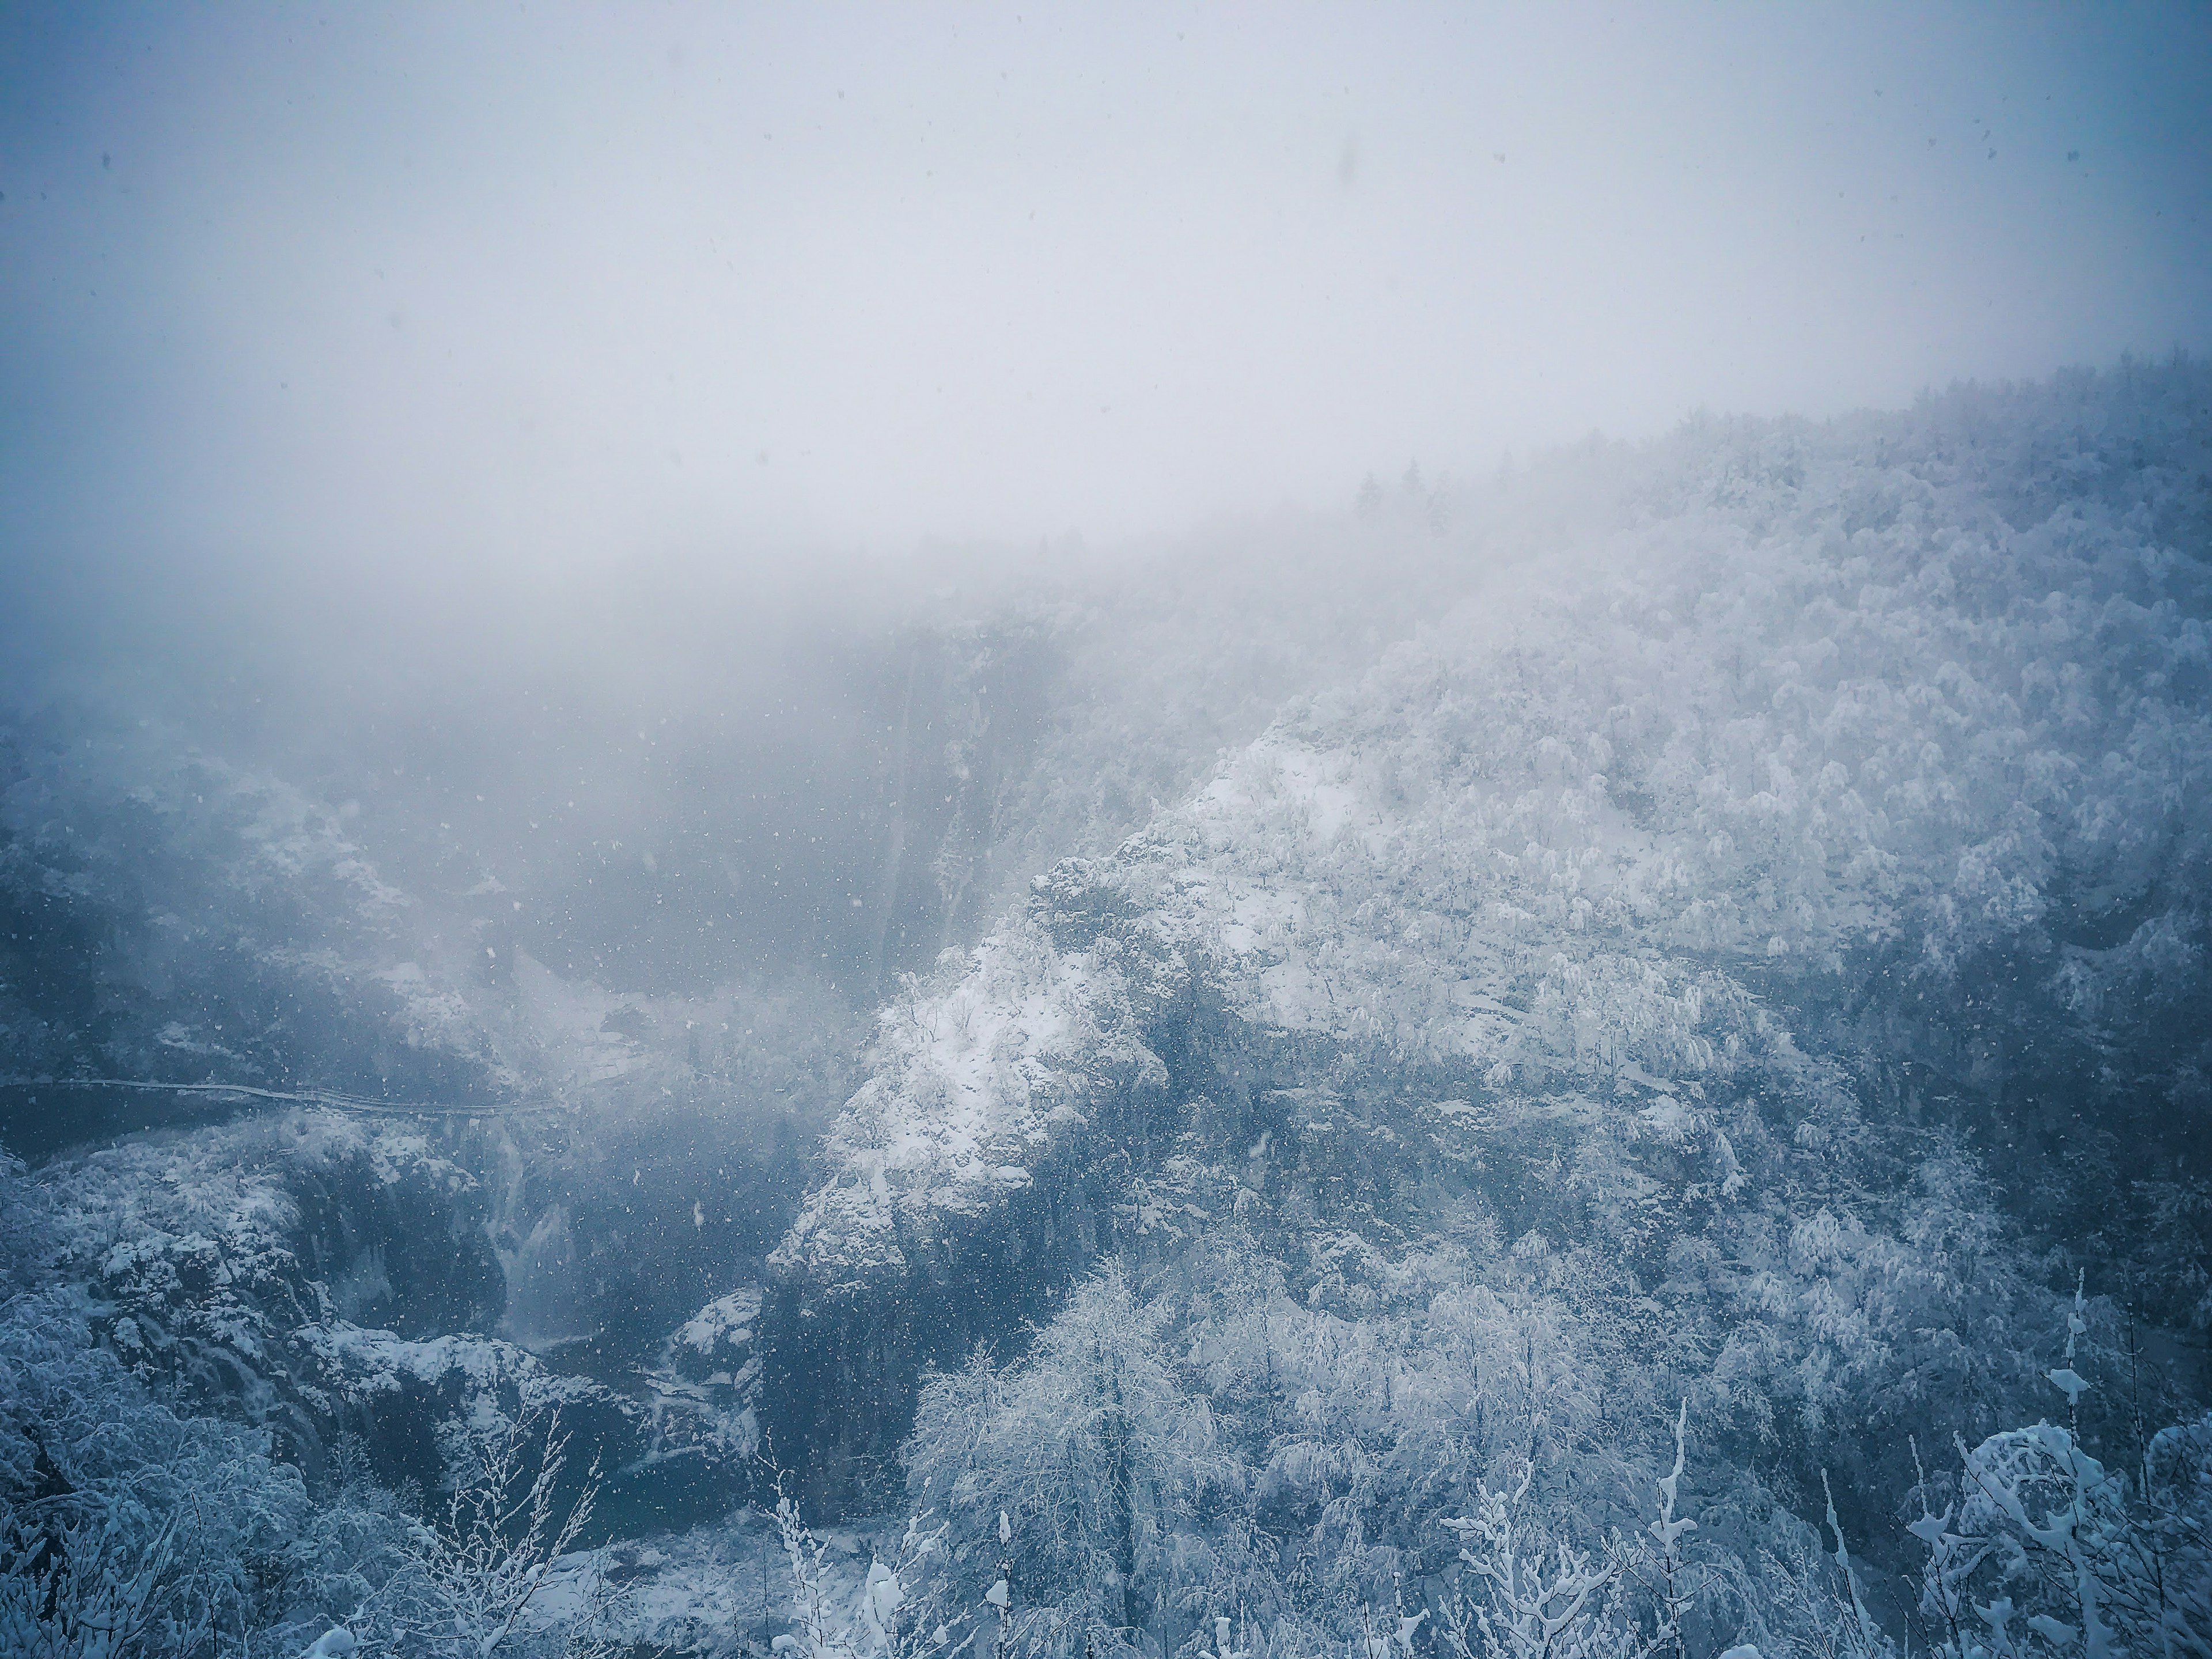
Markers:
point(726, 1320)
point(366, 1363)
point(971, 1085)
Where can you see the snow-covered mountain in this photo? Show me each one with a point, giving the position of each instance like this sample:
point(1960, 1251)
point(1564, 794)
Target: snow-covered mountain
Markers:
point(1671, 943)
point(1837, 699)
point(1705, 936)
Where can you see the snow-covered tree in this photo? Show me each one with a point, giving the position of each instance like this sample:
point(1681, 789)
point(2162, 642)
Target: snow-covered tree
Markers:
point(1096, 1454)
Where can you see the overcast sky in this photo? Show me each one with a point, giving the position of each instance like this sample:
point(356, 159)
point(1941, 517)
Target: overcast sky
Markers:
point(525, 285)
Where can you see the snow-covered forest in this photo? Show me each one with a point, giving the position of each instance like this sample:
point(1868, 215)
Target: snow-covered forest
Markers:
point(1601, 1060)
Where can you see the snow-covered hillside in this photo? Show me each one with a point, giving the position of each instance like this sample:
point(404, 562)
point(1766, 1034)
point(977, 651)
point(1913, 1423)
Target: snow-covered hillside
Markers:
point(1687, 957)
point(1896, 699)
point(1744, 943)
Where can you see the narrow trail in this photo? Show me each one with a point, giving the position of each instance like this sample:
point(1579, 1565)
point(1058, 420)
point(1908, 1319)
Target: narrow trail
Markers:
point(309, 1097)
point(29, 1131)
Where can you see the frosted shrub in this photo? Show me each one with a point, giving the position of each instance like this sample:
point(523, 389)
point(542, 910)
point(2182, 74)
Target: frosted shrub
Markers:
point(477, 1582)
point(84, 1592)
point(358, 1536)
point(903, 1611)
point(2046, 1551)
point(124, 1527)
point(1098, 1459)
point(1540, 1596)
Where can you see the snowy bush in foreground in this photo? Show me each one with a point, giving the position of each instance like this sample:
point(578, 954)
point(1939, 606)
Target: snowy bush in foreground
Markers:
point(1540, 1598)
point(125, 1525)
point(474, 1581)
point(2045, 1552)
point(905, 1608)
point(2062, 1548)
point(86, 1591)
point(116, 1510)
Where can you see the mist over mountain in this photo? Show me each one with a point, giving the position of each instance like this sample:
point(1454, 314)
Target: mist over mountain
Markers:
point(1255, 1077)
point(1105, 832)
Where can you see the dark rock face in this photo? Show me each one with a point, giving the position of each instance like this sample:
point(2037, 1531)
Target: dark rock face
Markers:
point(699, 1428)
point(843, 1366)
point(846, 1340)
point(840, 1369)
point(409, 1254)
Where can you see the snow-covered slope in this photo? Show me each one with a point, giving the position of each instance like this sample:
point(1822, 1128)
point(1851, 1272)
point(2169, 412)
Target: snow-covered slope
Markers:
point(1889, 699)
